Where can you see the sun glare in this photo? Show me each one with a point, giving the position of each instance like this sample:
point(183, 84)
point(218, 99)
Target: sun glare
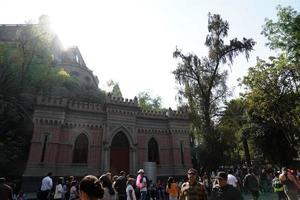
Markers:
point(65, 32)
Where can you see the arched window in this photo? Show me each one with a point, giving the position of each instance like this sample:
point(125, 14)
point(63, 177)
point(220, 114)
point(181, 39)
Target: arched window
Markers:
point(153, 154)
point(80, 152)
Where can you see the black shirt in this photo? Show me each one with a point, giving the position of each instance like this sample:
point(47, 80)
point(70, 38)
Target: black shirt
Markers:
point(227, 192)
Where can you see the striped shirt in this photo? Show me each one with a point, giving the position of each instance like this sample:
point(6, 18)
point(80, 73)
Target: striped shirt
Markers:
point(192, 192)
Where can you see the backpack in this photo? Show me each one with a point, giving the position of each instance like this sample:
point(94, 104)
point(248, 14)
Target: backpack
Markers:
point(277, 184)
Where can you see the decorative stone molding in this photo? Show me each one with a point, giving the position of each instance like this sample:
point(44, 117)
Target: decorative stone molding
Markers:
point(85, 106)
point(51, 101)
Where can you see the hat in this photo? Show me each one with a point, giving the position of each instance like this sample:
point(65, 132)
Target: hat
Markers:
point(141, 171)
point(192, 170)
point(221, 175)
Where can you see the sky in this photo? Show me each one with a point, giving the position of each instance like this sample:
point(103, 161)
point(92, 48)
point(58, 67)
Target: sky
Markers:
point(131, 42)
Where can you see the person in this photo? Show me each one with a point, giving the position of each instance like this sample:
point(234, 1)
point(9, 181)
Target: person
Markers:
point(120, 185)
point(251, 184)
point(109, 192)
point(46, 187)
point(6, 192)
point(130, 193)
point(73, 191)
point(90, 188)
point(59, 191)
point(192, 189)
point(278, 187)
point(231, 179)
point(172, 189)
point(141, 183)
point(290, 184)
point(223, 190)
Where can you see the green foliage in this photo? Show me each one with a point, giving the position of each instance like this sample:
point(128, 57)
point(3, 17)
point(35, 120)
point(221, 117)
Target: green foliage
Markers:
point(146, 102)
point(273, 100)
point(116, 91)
point(204, 83)
point(284, 33)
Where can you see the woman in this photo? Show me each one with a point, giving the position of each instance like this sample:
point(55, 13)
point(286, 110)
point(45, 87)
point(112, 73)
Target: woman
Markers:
point(73, 191)
point(90, 188)
point(109, 192)
point(59, 191)
point(172, 189)
point(130, 192)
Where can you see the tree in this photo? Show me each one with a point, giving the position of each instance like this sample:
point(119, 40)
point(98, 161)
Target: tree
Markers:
point(147, 102)
point(272, 90)
point(284, 34)
point(204, 82)
point(116, 91)
point(273, 102)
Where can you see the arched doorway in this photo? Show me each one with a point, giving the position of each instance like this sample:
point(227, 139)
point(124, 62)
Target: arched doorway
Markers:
point(153, 153)
point(119, 153)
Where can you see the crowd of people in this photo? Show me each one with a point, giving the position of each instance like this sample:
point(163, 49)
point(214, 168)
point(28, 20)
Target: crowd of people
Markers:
point(227, 184)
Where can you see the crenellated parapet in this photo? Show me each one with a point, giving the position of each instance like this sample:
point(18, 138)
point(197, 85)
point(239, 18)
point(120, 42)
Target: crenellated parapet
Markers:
point(177, 114)
point(152, 114)
point(121, 101)
point(84, 106)
point(51, 101)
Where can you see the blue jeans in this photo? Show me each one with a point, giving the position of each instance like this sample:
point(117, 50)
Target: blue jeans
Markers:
point(143, 195)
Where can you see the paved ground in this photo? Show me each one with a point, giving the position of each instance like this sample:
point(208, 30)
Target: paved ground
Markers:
point(265, 196)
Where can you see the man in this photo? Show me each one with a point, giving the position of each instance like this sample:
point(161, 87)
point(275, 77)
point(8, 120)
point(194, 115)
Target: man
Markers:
point(231, 179)
point(278, 187)
point(223, 190)
point(46, 187)
point(120, 186)
point(290, 184)
point(6, 192)
point(141, 183)
point(192, 189)
point(251, 184)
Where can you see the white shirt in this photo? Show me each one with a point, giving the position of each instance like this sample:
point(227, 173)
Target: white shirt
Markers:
point(46, 183)
point(128, 188)
point(144, 185)
point(231, 180)
point(58, 192)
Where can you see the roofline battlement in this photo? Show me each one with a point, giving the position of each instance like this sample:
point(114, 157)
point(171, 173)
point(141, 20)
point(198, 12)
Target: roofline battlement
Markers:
point(153, 113)
point(121, 100)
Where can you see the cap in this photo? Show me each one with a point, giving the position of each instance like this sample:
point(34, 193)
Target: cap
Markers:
point(141, 171)
point(192, 170)
point(221, 175)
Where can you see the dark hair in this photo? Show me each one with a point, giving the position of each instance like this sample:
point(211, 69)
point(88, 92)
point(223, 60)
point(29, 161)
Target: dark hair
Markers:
point(170, 180)
point(92, 187)
point(106, 182)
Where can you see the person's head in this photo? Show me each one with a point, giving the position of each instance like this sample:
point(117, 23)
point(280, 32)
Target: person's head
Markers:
point(222, 178)
point(60, 180)
point(49, 174)
point(90, 188)
point(2, 180)
point(192, 175)
point(141, 171)
point(123, 173)
point(250, 171)
point(170, 181)
point(105, 180)
point(108, 174)
point(130, 181)
point(284, 170)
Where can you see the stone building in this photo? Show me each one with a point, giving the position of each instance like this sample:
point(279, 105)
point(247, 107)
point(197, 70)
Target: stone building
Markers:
point(78, 138)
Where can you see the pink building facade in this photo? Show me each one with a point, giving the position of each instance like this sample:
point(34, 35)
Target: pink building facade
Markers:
point(79, 138)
